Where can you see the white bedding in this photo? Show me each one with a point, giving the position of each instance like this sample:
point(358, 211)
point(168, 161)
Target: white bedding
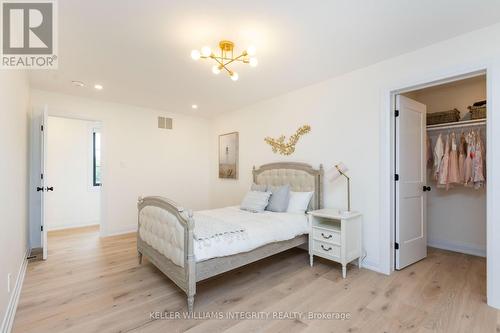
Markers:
point(260, 229)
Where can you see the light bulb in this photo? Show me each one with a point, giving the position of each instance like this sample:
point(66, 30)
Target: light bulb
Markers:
point(234, 76)
point(205, 51)
point(195, 54)
point(253, 62)
point(215, 69)
point(251, 50)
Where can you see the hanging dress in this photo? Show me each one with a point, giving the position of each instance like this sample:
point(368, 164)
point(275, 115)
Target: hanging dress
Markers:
point(445, 163)
point(468, 159)
point(462, 151)
point(438, 156)
point(430, 155)
point(453, 172)
point(478, 163)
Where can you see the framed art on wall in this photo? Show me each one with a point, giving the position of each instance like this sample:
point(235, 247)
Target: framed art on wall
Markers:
point(228, 155)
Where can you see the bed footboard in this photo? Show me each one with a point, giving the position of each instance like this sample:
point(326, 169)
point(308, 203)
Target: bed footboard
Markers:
point(172, 252)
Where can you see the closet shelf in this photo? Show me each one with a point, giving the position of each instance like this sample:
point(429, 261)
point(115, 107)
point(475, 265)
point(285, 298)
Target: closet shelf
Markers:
point(458, 124)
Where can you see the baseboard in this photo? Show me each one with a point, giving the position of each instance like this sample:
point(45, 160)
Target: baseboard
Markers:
point(64, 227)
point(10, 314)
point(123, 231)
point(370, 265)
point(457, 247)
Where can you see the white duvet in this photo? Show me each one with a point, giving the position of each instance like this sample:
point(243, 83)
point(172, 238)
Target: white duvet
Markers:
point(260, 229)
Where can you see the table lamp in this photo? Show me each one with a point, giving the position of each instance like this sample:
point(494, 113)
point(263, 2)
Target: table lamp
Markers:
point(340, 170)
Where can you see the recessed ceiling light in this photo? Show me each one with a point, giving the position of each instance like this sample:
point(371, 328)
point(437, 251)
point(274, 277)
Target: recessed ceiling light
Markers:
point(98, 86)
point(78, 83)
point(194, 106)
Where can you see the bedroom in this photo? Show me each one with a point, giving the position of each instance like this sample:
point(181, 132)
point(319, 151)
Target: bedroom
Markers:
point(333, 67)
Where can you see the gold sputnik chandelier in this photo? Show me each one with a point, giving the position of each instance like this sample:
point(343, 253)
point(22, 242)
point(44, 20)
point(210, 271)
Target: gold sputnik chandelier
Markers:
point(226, 57)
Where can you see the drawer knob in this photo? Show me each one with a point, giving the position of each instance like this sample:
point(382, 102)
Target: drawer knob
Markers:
point(325, 249)
point(326, 236)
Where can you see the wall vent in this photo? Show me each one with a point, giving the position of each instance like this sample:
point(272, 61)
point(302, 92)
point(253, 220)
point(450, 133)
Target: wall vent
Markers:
point(165, 123)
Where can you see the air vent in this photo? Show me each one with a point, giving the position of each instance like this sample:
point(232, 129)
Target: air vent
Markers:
point(165, 123)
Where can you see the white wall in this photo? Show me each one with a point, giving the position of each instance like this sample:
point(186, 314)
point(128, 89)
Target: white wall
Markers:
point(14, 124)
point(138, 158)
point(457, 95)
point(75, 201)
point(456, 218)
point(346, 114)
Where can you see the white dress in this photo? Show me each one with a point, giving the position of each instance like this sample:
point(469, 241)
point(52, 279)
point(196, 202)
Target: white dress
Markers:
point(438, 156)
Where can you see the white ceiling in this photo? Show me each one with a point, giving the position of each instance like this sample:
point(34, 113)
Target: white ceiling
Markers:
point(140, 50)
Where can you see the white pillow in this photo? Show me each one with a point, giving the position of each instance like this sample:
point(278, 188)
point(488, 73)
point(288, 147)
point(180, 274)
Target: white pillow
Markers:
point(255, 201)
point(299, 201)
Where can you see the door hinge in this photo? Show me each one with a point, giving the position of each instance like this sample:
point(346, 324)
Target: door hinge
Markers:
point(41, 228)
point(396, 246)
point(41, 176)
point(396, 177)
point(396, 113)
point(41, 128)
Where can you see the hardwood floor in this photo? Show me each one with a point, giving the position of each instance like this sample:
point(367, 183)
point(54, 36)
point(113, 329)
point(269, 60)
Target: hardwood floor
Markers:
point(90, 284)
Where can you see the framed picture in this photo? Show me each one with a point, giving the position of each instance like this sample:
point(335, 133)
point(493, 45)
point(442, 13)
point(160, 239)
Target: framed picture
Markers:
point(228, 155)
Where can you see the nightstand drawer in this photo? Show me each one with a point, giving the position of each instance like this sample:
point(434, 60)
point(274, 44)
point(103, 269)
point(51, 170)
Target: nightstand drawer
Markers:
point(326, 249)
point(328, 236)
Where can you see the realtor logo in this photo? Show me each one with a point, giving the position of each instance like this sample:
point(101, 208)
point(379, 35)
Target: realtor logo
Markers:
point(28, 34)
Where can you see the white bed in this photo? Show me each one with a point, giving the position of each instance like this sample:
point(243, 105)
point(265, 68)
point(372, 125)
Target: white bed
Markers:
point(260, 229)
point(167, 231)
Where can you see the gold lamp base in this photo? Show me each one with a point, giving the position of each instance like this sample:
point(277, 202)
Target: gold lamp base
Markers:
point(226, 45)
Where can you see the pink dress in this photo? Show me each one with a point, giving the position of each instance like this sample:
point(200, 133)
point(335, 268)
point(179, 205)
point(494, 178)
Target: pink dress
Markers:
point(453, 168)
point(462, 150)
point(445, 163)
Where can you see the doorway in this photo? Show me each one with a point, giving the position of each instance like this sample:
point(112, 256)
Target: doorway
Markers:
point(440, 155)
point(73, 170)
point(65, 177)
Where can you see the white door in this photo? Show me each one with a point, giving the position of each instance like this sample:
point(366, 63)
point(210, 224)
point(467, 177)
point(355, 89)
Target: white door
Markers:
point(411, 187)
point(39, 175)
point(43, 164)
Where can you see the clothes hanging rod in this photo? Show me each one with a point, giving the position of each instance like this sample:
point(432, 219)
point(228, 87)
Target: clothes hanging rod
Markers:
point(458, 124)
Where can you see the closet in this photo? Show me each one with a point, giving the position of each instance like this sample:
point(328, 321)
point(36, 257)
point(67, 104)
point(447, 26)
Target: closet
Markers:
point(455, 165)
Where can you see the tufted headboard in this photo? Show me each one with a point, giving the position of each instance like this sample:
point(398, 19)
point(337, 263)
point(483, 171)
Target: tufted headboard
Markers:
point(300, 176)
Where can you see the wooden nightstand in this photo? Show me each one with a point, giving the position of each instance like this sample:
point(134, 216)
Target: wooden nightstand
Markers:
point(335, 236)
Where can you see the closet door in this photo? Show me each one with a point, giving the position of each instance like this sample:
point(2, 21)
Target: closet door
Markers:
point(411, 216)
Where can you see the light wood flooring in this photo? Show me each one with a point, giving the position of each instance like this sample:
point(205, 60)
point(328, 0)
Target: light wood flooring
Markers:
point(90, 284)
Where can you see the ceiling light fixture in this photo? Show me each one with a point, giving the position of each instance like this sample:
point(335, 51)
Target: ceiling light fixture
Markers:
point(226, 57)
point(98, 86)
point(194, 106)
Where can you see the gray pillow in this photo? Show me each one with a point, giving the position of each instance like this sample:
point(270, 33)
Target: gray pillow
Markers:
point(255, 201)
point(258, 187)
point(278, 202)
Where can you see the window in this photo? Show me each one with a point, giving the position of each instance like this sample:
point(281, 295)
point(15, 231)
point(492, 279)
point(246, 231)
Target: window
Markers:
point(96, 149)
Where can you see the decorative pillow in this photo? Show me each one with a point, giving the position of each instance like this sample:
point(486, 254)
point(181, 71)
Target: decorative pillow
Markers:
point(258, 187)
point(278, 202)
point(299, 201)
point(255, 201)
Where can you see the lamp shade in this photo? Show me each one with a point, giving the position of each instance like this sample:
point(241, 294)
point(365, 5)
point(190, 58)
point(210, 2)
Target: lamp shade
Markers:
point(338, 169)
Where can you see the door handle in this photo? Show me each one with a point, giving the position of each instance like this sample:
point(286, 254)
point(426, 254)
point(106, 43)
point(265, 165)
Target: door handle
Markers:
point(50, 189)
point(426, 188)
point(38, 189)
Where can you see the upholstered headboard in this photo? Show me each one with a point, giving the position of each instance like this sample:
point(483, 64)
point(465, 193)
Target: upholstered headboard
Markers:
point(300, 176)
